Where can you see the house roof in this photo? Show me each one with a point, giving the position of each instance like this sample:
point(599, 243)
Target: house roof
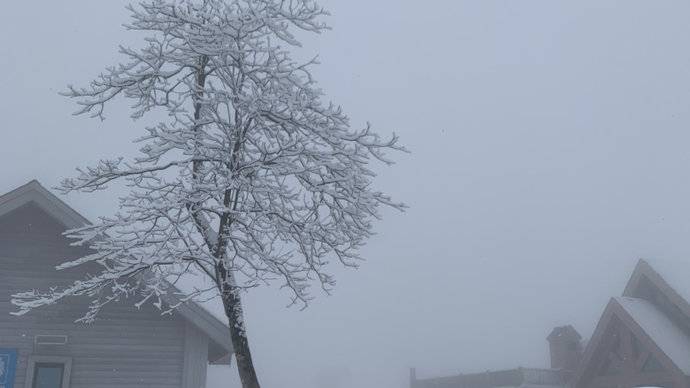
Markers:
point(567, 331)
point(674, 272)
point(669, 276)
point(665, 333)
point(663, 282)
point(654, 310)
point(655, 305)
point(35, 192)
point(647, 323)
point(203, 317)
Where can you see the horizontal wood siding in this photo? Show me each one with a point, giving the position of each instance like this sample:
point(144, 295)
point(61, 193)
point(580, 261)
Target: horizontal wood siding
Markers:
point(196, 352)
point(125, 348)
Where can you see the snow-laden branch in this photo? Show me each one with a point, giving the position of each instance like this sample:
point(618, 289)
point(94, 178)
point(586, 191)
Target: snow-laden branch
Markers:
point(253, 179)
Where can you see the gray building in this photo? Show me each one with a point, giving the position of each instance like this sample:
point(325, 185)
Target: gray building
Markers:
point(641, 340)
point(125, 347)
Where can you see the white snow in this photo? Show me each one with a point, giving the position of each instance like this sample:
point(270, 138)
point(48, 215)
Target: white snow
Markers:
point(675, 272)
point(669, 337)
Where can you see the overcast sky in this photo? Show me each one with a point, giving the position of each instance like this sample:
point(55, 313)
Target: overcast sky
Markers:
point(551, 149)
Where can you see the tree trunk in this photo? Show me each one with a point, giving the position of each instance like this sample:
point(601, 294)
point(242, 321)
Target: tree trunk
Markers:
point(233, 310)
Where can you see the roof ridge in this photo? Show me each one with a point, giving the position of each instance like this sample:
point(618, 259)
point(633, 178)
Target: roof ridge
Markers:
point(35, 191)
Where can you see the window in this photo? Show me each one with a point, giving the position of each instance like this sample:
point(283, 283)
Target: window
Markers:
point(652, 365)
point(48, 375)
point(48, 372)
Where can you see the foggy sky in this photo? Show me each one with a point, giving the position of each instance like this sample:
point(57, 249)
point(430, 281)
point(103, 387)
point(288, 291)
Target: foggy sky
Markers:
point(550, 150)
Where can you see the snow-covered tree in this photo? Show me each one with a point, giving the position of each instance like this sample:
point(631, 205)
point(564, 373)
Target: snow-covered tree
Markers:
point(251, 179)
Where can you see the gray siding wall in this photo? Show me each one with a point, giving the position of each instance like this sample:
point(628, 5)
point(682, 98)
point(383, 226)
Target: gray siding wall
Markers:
point(195, 355)
point(126, 347)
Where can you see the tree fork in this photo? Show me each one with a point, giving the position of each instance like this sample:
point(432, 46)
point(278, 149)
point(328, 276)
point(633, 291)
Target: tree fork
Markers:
point(232, 302)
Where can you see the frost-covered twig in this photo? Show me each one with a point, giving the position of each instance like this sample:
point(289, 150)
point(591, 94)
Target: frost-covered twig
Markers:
point(253, 179)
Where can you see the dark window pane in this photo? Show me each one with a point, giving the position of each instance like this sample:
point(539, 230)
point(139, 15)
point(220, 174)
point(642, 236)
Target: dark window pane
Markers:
point(652, 365)
point(48, 375)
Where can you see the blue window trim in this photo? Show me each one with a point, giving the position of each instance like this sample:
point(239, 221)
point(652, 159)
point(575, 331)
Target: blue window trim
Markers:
point(9, 357)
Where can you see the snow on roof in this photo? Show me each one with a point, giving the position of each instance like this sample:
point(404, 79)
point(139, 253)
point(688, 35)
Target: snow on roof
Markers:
point(669, 337)
point(676, 273)
point(35, 192)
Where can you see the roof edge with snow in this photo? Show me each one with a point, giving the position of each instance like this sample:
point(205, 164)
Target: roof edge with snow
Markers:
point(33, 191)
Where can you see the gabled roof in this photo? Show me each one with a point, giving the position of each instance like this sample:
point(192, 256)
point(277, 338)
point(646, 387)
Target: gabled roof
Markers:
point(655, 306)
point(655, 331)
point(34, 192)
point(668, 277)
point(665, 333)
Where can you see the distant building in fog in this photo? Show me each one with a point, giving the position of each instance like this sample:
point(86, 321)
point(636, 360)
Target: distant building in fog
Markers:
point(642, 339)
point(125, 347)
